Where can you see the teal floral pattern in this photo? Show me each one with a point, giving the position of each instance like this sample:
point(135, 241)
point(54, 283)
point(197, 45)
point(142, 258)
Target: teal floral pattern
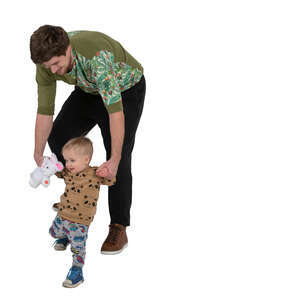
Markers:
point(102, 75)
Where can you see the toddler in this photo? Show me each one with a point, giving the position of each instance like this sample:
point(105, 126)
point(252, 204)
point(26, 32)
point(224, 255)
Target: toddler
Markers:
point(77, 205)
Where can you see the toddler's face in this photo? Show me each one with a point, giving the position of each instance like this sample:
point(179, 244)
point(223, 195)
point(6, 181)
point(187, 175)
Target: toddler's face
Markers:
point(75, 162)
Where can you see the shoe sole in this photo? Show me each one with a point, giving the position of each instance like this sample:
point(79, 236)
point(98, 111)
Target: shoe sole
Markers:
point(60, 249)
point(114, 252)
point(70, 285)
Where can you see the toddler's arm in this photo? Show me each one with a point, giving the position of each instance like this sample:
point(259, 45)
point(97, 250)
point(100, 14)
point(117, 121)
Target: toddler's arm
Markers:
point(60, 174)
point(106, 181)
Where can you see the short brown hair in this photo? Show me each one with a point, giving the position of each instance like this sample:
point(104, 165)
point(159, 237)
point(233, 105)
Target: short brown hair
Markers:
point(82, 145)
point(48, 41)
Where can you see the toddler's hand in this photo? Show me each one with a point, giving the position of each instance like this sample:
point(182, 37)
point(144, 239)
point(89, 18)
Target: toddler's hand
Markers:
point(108, 169)
point(102, 172)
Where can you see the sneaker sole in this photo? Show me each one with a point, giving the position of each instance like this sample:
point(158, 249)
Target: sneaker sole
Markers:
point(114, 252)
point(60, 249)
point(67, 284)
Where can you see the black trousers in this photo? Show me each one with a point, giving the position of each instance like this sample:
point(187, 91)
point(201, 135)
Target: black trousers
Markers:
point(79, 114)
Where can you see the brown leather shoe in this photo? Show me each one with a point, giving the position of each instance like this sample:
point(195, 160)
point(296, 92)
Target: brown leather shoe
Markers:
point(116, 240)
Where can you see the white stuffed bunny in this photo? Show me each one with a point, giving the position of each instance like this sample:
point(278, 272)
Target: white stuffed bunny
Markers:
point(41, 175)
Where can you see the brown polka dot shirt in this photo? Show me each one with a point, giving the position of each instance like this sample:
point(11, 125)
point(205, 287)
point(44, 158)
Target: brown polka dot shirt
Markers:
point(79, 201)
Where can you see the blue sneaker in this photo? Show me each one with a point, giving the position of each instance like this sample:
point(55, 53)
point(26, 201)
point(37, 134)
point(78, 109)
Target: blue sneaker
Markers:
point(61, 244)
point(74, 277)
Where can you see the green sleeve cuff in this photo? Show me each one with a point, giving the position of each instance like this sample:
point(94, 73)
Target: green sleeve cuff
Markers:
point(46, 110)
point(115, 107)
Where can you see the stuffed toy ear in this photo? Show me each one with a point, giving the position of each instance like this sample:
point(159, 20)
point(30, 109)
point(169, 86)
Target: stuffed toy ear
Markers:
point(53, 158)
point(59, 166)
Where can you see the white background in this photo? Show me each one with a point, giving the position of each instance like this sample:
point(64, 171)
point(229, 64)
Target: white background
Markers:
point(215, 211)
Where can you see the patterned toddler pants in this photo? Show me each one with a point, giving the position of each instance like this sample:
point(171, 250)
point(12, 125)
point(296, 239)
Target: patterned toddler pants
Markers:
point(77, 235)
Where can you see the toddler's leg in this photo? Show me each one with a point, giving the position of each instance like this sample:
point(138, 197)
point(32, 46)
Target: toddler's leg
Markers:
point(59, 231)
point(78, 236)
point(56, 229)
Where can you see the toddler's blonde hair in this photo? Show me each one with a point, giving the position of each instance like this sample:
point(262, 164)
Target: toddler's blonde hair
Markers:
point(81, 145)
